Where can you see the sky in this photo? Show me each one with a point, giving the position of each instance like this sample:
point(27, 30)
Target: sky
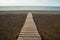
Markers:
point(29, 2)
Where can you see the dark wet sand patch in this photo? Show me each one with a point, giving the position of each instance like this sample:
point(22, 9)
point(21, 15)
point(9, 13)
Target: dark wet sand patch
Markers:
point(48, 25)
point(11, 24)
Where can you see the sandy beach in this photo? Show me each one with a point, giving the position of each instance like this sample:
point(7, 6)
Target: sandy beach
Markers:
point(47, 24)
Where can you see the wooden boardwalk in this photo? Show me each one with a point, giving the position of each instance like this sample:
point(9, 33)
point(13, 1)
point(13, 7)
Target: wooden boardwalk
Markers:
point(29, 30)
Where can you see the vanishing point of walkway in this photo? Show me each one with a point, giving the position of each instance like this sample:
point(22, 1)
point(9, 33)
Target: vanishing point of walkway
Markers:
point(29, 30)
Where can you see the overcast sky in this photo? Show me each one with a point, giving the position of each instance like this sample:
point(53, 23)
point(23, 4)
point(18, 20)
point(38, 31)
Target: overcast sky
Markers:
point(29, 2)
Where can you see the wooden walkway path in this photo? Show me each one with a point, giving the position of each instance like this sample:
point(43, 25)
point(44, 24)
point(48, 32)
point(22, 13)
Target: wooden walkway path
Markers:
point(29, 30)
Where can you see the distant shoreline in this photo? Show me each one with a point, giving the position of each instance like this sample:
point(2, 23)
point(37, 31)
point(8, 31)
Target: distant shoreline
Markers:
point(32, 11)
point(28, 11)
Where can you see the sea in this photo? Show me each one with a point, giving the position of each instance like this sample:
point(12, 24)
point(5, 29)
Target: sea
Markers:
point(30, 8)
